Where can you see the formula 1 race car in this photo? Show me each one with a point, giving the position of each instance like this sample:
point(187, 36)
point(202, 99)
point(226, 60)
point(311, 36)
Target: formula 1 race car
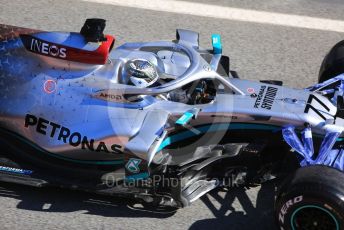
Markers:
point(73, 114)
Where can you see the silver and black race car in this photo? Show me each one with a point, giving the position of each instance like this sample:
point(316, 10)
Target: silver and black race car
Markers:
point(72, 115)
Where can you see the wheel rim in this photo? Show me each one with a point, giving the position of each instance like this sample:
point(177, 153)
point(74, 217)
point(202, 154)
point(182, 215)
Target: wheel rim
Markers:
point(313, 217)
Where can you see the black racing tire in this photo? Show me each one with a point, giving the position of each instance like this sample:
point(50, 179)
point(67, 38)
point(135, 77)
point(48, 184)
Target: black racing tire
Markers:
point(333, 63)
point(312, 198)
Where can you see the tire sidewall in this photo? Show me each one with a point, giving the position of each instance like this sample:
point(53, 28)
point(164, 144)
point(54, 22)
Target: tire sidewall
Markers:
point(333, 63)
point(295, 200)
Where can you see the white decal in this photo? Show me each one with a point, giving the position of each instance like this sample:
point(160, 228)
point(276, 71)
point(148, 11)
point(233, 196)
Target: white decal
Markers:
point(46, 48)
point(286, 206)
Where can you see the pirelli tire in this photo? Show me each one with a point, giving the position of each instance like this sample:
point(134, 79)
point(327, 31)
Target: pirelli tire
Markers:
point(333, 63)
point(312, 198)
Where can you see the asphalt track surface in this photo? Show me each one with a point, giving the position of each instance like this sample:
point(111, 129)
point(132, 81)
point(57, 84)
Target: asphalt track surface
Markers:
point(257, 51)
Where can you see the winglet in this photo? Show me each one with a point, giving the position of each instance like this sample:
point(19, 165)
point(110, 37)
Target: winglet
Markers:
point(187, 116)
point(216, 42)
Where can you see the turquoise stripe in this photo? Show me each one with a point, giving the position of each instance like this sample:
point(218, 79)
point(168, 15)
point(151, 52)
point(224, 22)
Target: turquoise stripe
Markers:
point(214, 128)
point(220, 127)
point(115, 162)
point(292, 219)
point(139, 176)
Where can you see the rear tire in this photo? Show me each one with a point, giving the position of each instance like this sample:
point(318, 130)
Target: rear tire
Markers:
point(333, 63)
point(312, 198)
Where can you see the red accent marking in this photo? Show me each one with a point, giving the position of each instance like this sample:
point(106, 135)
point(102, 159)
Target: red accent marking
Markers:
point(250, 90)
point(49, 86)
point(97, 57)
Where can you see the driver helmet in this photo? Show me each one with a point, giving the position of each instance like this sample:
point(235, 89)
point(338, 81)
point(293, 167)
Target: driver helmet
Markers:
point(141, 72)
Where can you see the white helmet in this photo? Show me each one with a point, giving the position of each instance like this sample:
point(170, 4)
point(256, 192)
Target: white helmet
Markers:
point(141, 73)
